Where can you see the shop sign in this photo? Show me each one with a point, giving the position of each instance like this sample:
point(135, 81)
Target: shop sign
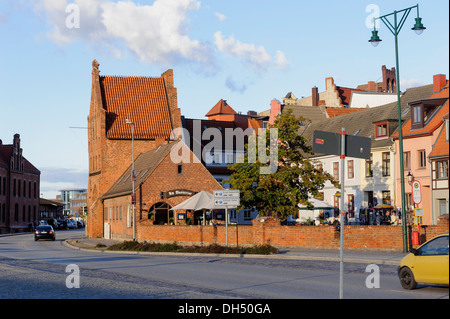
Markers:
point(178, 192)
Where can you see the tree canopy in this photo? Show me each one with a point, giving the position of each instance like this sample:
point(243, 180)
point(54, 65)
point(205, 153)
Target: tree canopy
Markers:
point(296, 178)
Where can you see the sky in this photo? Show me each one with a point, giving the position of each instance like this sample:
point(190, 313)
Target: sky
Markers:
point(247, 52)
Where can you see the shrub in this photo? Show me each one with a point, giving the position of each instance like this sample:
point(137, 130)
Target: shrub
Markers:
point(210, 249)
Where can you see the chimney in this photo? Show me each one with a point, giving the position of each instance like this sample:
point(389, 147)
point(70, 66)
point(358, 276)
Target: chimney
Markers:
point(329, 83)
point(315, 96)
point(371, 86)
point(439, 81)
point(275, 109)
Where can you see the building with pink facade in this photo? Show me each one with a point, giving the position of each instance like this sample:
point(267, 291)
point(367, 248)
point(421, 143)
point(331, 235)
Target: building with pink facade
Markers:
point(420, 137)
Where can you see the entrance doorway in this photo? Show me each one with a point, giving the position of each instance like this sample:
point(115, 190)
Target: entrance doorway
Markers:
point(161, 212)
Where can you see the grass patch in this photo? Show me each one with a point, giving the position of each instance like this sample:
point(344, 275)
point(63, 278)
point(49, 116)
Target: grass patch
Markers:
point(210, 249)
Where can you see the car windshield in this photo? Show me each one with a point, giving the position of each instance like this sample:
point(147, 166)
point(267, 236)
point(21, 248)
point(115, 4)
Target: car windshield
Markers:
point(45, 228)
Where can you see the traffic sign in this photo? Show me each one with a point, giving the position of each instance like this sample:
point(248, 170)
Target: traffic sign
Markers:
point(330, 143)
point(227, 198)
point(416, 192)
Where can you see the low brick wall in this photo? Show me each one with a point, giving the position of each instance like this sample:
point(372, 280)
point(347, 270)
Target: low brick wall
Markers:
point(269, 231)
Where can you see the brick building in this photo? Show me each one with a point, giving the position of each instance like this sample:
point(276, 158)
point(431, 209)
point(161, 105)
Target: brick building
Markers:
point(162, 182)
point(19, 189)
point(150, 103)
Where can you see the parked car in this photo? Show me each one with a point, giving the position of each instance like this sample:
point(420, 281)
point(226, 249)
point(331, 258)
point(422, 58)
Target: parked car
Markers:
point(69, 223)
point(62, 224)
point(44, 231)
point(427, 264)
point(52, 222)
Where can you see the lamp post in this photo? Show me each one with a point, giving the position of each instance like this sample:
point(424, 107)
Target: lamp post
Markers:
point(375, 40)
point(133, 178)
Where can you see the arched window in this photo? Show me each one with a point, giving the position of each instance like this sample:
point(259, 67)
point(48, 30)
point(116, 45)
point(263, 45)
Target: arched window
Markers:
point(161, 213)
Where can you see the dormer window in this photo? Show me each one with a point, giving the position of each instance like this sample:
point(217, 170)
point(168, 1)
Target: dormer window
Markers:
point(417, 119)
point(381, 130)
point(423, 110)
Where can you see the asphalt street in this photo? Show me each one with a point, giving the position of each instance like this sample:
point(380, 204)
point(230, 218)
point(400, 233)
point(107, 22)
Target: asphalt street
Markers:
point(30, 269)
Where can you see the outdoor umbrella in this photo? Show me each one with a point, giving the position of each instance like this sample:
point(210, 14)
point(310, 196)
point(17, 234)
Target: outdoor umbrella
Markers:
point(200, 201)
point(318, 204)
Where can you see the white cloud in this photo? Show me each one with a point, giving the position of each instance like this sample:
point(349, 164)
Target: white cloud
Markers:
point(281, 60)
point(410, 83)
point(254, 57)
point(220, 16)
point(155, 33)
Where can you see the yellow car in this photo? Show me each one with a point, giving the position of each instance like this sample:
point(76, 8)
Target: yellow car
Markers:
point(427, 264)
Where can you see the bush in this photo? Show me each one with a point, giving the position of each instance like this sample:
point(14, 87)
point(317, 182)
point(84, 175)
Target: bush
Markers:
point(262, 250)
point(210, 249)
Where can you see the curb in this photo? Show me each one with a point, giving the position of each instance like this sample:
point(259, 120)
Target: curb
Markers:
point(251, 256)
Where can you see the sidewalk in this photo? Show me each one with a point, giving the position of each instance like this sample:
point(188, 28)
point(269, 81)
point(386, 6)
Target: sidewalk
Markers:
point(355, 256)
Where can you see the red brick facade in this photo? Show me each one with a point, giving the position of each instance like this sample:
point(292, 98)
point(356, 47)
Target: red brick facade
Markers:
point(267, 231)
point(165, 177)
point(109, 136)
point(19, 189)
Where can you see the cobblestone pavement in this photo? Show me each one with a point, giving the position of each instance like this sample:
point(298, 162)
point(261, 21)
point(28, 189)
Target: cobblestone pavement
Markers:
point(21, 279)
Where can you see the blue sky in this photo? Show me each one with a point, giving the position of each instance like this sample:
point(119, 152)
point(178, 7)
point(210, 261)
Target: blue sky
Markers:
point(247, 52)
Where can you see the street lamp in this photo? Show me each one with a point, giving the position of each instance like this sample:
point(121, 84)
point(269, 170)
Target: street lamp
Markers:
point(133, 178)
point(375, 40)
point(410, 178)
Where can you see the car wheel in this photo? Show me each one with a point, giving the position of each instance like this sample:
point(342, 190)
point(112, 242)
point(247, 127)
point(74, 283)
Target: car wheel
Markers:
point(35, 239)
point(407, 278)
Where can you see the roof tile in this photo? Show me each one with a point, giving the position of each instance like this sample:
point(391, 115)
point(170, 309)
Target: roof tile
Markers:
point(142, 100)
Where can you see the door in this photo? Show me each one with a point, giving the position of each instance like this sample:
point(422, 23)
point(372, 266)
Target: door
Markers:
point(431, 264)
point(107, 231)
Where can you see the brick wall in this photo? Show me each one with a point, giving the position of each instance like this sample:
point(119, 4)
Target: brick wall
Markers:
point(268, 231)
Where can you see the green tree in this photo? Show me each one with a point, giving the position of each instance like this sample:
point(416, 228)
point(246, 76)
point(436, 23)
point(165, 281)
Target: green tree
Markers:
point(296, 178)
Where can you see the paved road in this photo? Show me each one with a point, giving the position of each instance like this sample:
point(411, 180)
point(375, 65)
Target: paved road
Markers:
point(30, 269)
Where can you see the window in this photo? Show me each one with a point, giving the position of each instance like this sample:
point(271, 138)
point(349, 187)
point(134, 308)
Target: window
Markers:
point(406, 160)
point(387, 197)
point(386, 164)
point(351, 205)
point(381, 130)
point(409, 201)
point(438, 246)
point(230, 158)
point(422, 159)
point(369, 169)
point(247, 214)
point(350, 169)
point(417, 117)
point(442, 169)
point(336, 170)
point(336, 203)
point(180, 169)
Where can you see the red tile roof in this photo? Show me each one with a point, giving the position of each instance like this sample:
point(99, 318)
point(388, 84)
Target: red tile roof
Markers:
point(441, 146)
point(345, 94)
point(436, 120)
point(221, 108)
point(142, 100)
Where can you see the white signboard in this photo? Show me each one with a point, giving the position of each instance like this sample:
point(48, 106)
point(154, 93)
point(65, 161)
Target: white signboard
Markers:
point(227, 198)
point(416, 192)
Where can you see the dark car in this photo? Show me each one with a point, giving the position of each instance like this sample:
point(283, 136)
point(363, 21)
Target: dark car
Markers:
point(62, 224)
point(52, 222)
point(44, 232)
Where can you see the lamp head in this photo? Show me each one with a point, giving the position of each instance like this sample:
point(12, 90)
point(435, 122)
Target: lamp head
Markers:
point(375, 39)
point(418, 27)
point(127, 121)
point(410, 177)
